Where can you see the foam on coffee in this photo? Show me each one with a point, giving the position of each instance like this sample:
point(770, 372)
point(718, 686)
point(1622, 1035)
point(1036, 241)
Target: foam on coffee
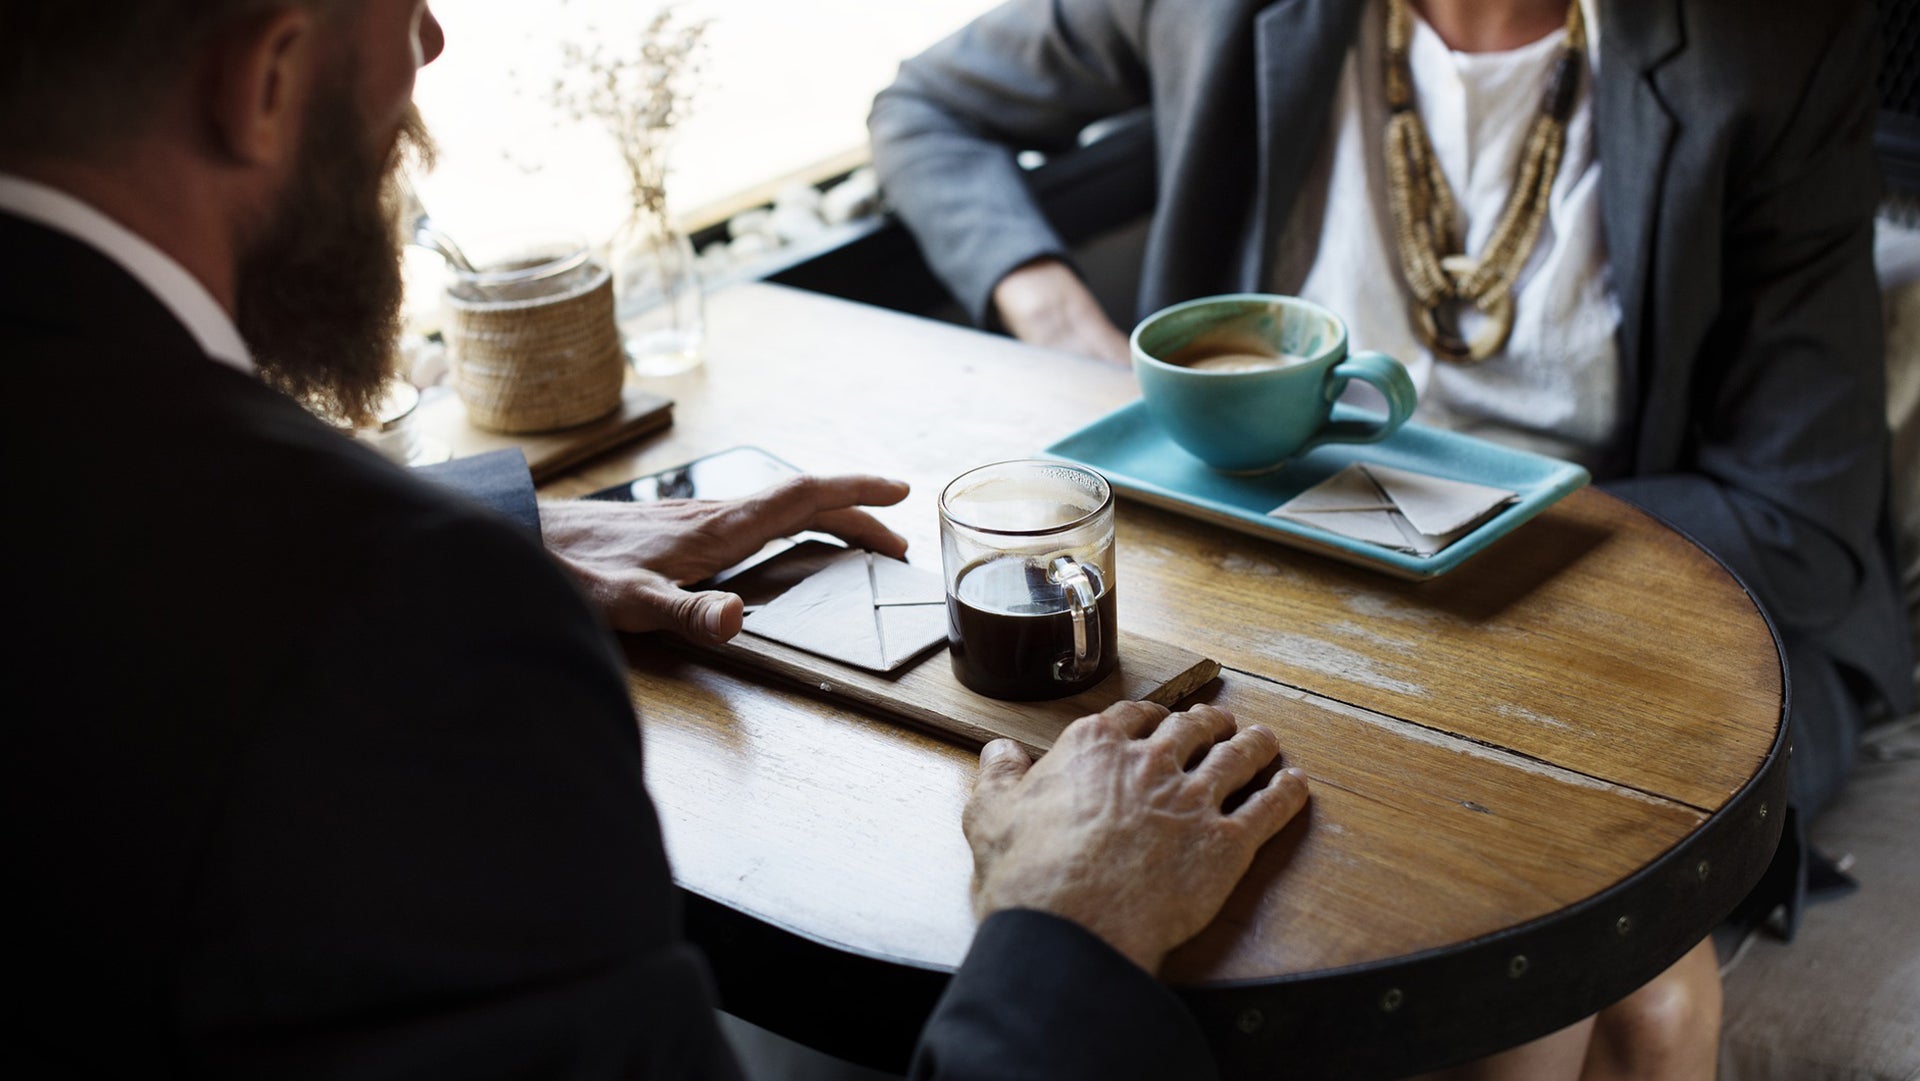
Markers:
point(1235, 353)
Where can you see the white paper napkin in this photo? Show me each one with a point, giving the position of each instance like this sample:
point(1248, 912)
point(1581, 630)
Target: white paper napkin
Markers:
point(1395, 508)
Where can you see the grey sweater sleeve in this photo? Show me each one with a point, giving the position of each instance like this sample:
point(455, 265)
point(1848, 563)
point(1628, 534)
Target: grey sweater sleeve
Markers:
point(1028, 75)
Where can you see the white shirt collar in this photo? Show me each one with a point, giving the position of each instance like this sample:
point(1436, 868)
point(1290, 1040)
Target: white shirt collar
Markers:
point(165, 278)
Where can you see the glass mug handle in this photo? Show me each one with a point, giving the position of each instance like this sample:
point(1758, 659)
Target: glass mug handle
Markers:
point(1068, 574)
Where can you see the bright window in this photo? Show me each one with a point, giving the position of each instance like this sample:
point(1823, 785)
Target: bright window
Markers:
point(786, 90)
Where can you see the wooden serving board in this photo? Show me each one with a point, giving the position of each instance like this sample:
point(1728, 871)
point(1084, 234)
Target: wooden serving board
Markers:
point(926, 694)
point(442, 416)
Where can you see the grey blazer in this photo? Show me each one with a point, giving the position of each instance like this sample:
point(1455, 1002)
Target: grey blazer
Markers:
point(1739, 191)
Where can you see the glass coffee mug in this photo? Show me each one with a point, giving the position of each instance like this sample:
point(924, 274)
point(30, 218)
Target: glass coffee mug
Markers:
point(1027, 548)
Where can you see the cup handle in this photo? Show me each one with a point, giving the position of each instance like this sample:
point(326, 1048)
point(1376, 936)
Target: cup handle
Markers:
point(1065, 572)
point(1387, 375)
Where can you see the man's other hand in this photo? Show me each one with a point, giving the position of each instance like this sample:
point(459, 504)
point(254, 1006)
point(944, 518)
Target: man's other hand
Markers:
point(633, 558)
point(1122, 827)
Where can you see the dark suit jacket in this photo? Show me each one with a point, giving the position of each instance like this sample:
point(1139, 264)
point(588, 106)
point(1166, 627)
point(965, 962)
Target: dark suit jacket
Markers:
point(1738, 193)
point(316, 770)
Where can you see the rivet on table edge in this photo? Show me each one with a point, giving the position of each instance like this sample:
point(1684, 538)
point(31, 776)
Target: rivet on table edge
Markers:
point(1703, 869)
point(1392, 999)
point(1763, 812)
point(1251, 1020)
point(1517, 967)
point(1623, 925)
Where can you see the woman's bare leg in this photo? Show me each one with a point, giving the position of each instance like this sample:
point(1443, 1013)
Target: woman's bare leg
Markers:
point(1668, 1030)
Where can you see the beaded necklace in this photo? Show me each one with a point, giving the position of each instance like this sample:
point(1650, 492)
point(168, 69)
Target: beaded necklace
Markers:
point(1427, 221)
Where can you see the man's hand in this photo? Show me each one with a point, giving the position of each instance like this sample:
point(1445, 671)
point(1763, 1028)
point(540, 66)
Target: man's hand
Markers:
point(632, 558)
point(1120, 827)
point(1045, 303)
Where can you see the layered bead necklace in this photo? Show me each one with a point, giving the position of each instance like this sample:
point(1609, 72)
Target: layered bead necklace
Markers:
point(1427, 227)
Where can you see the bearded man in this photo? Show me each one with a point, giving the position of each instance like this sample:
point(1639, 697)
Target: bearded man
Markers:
point(317, 770)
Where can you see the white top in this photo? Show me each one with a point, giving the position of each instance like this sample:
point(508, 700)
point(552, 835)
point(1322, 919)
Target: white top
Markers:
point(1555, 388)
point(166, 279)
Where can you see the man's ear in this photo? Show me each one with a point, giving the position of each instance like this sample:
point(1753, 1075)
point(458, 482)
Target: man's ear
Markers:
point(257, 86)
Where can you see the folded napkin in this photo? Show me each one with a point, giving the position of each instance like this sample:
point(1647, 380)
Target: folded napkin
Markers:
point(860, 609)
point(1395, 508)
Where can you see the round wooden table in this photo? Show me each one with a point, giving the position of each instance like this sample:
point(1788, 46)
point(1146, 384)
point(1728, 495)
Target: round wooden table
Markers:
point(1537, 780)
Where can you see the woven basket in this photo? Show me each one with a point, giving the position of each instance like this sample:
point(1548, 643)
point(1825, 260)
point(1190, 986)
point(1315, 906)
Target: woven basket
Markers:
point(534, 365)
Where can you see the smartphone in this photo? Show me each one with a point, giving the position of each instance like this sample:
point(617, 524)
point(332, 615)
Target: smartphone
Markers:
point(727, 474)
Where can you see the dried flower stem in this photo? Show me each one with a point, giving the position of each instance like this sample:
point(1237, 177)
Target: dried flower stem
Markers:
point(640, 98)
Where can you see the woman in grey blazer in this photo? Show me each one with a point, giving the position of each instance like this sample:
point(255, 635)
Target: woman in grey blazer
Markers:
point(1735, 224)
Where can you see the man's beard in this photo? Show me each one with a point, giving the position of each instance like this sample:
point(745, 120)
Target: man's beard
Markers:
point(319, 288)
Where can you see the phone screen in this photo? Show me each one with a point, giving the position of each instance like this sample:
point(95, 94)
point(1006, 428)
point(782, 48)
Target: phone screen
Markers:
point(728, 474)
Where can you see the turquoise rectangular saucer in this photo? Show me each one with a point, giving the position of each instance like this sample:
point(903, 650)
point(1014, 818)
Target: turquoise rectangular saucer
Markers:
point(1143, 464)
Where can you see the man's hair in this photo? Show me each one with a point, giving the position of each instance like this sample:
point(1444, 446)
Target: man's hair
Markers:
point(79, 74)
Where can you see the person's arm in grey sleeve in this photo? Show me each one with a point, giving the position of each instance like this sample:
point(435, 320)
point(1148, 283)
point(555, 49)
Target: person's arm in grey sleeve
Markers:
point(1028, 75)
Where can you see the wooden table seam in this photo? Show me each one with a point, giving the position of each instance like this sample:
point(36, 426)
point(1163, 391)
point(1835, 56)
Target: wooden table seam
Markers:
point(1498, 749)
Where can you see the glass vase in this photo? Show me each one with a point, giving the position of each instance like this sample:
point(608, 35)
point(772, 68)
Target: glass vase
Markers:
point(657, 299)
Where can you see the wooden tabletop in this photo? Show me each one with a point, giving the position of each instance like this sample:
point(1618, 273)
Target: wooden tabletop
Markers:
point(1536, 779)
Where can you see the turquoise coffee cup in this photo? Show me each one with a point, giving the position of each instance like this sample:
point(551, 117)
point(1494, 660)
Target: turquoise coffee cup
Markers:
point(1247, 381)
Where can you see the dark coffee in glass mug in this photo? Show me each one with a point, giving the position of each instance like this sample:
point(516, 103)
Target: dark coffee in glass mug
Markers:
point(1027, 547)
